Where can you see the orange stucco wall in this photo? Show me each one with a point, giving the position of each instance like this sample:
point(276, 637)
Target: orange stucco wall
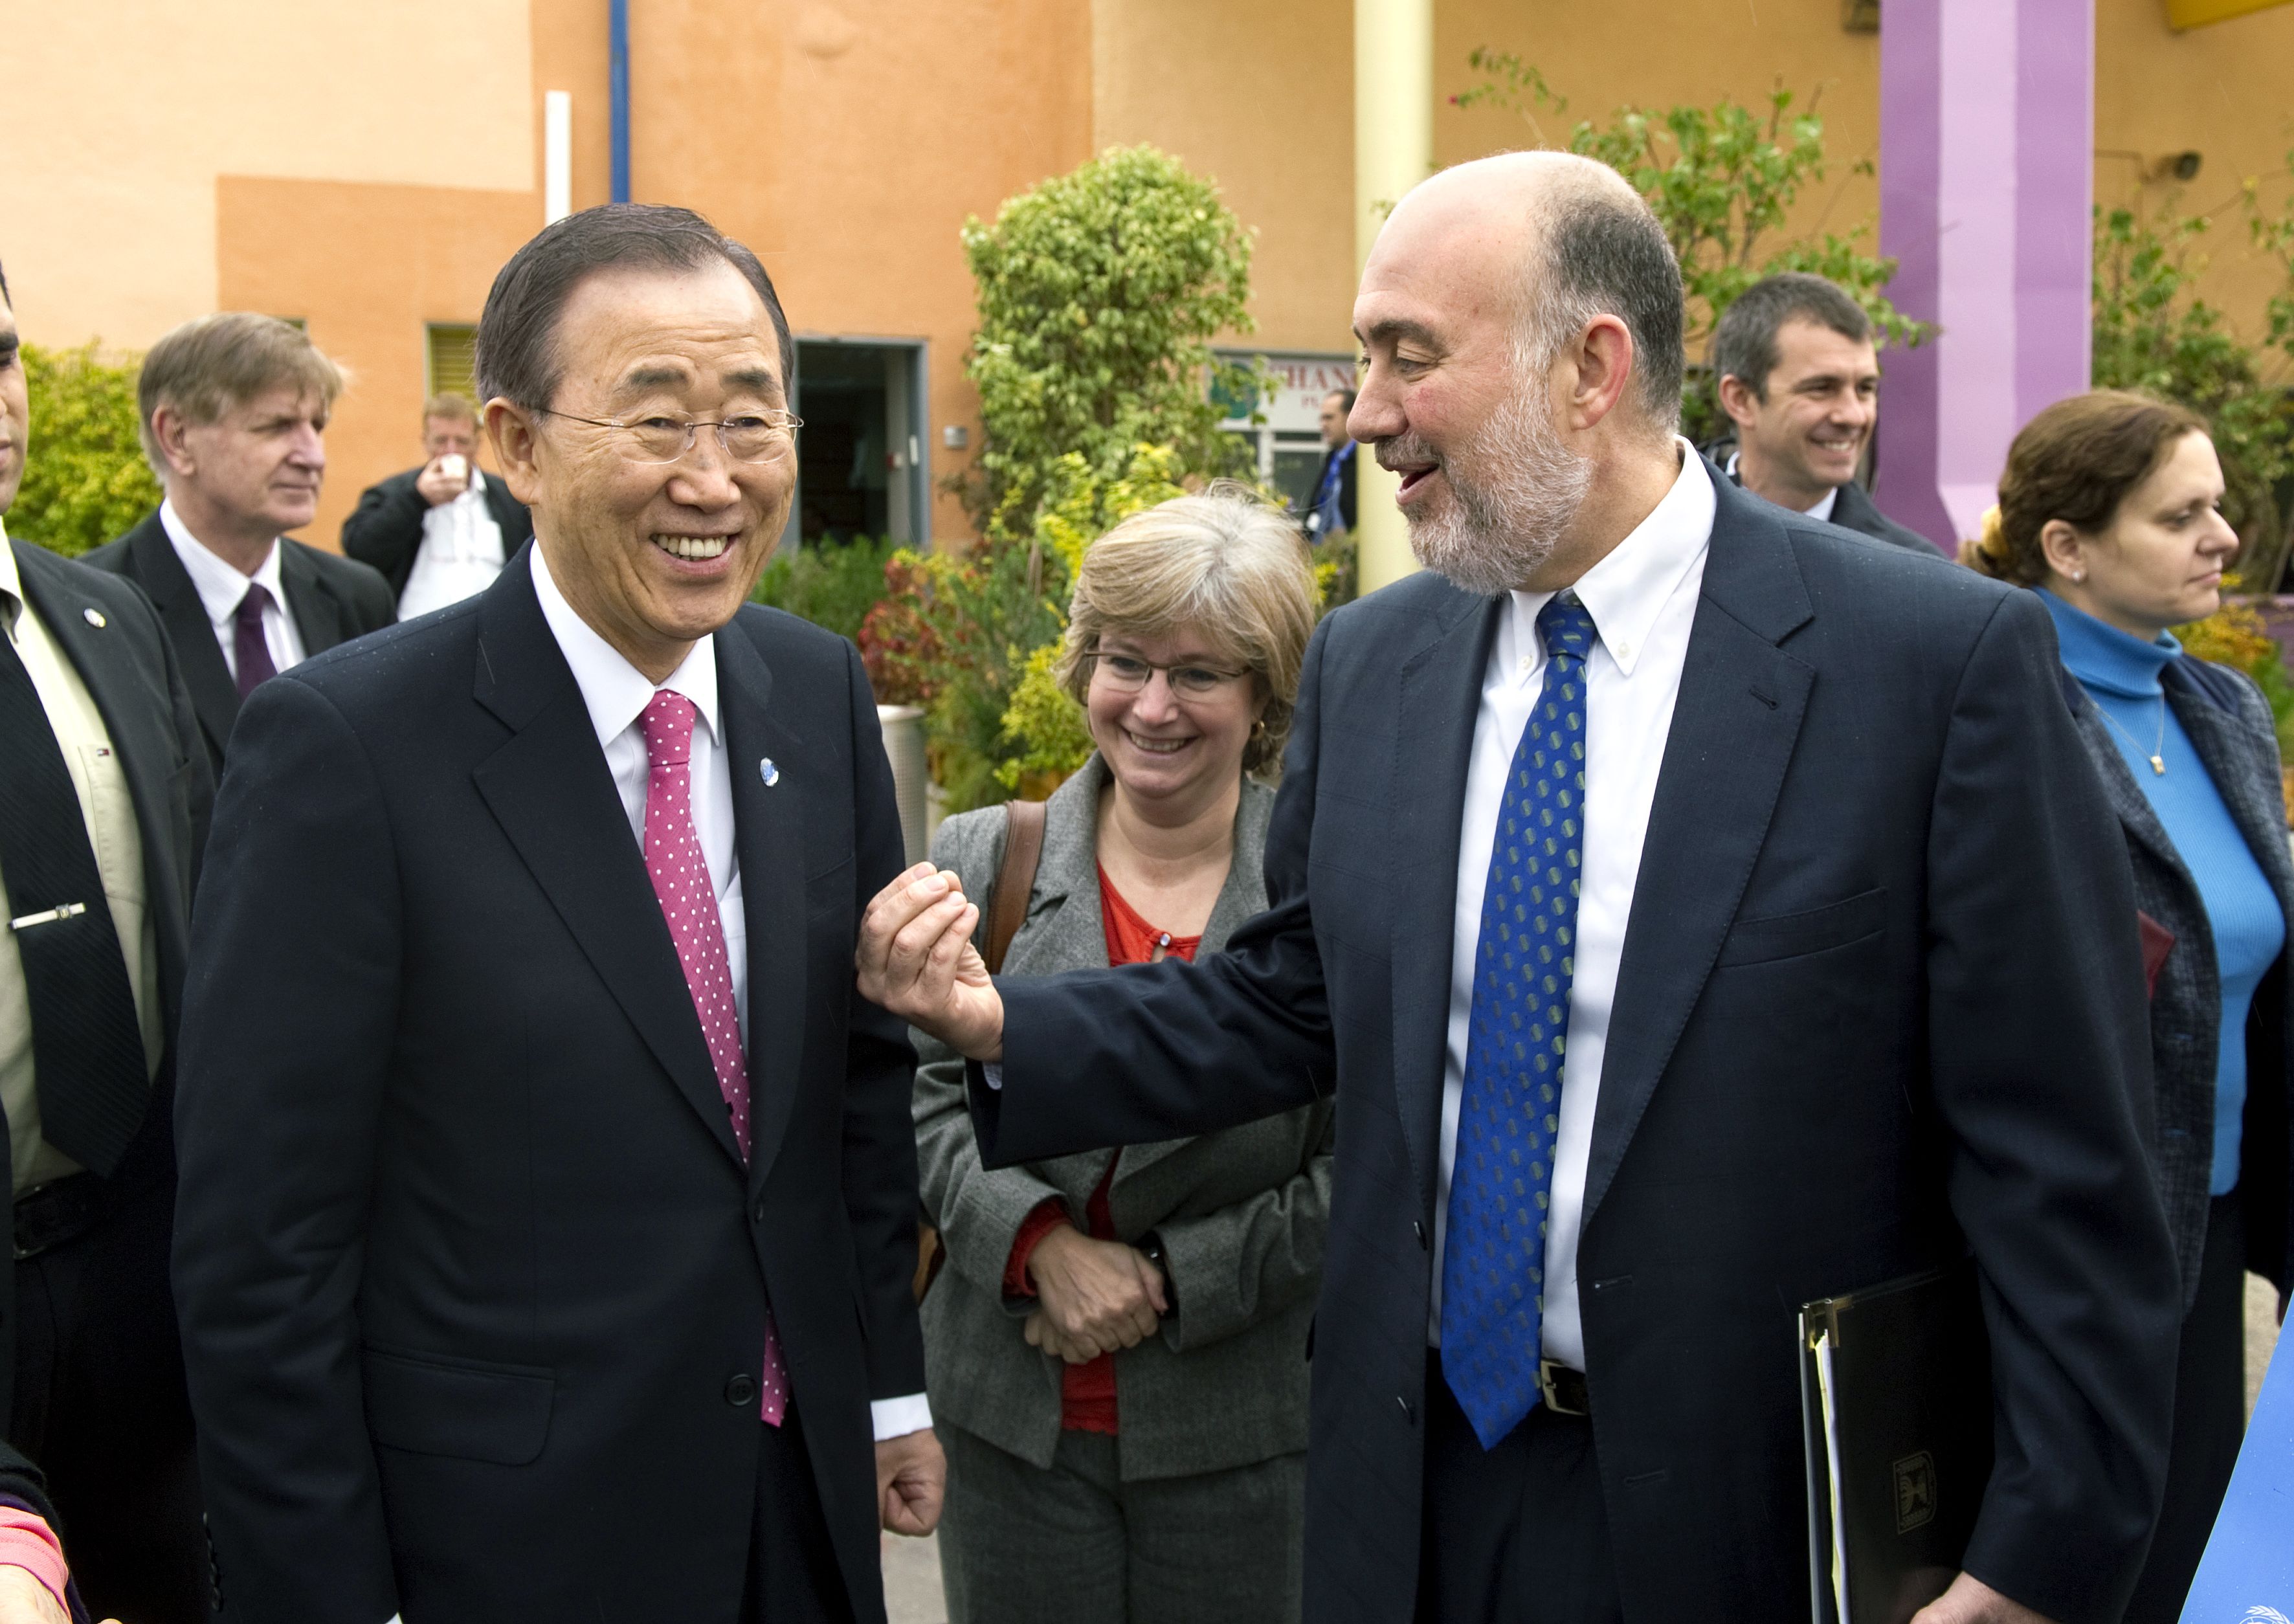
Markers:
point(848, 142)
point(1267, 112)
point(366, 267)
point(849, 139)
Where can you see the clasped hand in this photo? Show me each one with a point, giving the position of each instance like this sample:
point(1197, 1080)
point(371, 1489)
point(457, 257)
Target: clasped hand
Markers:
point(1095, 1296)
point(915, 960)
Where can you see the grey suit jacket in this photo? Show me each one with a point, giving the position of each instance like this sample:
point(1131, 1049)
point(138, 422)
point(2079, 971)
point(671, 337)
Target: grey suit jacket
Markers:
point(1853, 509)
point(2229, 725)
point(1241, 1213)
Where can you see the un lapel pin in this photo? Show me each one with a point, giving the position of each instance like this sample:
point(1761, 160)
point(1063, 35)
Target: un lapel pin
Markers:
point(767, 771)
point(95, 617)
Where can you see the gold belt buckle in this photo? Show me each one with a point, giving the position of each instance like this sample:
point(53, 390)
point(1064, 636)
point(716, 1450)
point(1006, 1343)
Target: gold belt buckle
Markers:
point(1551, 1380)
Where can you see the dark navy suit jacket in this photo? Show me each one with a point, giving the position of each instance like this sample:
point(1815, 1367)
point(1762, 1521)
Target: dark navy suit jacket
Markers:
point(473, 1281)
point(1881, 1003)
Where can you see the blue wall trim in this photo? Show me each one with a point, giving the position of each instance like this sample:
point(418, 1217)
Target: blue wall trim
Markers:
point(618, 81)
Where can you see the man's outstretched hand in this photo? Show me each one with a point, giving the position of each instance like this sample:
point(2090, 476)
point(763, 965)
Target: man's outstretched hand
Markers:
point(916, 961)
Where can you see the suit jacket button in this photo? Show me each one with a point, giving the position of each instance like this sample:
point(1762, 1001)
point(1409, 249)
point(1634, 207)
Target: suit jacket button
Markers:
point(760, 1209)
point(1408, 1410)
point(741, 1391)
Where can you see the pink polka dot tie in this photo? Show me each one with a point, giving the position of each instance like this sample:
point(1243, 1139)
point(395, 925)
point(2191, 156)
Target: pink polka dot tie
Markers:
point(689, 901)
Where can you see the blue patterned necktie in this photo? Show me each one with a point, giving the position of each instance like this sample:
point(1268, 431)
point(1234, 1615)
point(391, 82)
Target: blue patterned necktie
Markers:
point(1508, 1122)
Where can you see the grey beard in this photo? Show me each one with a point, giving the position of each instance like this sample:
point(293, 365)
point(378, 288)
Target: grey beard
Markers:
point(1515, 490)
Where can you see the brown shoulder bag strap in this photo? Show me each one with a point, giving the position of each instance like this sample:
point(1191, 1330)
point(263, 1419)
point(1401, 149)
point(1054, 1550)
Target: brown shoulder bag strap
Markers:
point(1007, 911)
point(1015, 878)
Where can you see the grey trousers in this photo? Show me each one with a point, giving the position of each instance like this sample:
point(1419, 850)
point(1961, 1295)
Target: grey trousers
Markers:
point(1076, 1545)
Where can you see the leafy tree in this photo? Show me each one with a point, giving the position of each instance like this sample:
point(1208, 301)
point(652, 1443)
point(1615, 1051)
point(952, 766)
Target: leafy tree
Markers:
point(1099, 292)
point(972, 636)
point(1722, 181)
point(2153, 331)
point(85, 480)
point(830, 583)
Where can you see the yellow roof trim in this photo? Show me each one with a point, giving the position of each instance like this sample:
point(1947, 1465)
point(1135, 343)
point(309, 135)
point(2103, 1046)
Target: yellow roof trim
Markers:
point(2197, 13)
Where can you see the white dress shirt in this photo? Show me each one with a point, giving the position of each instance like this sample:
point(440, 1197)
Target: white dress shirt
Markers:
point(616, 693)
point(461, 554)
point(220, 587)
point(1642, 598)
point(1822, 509)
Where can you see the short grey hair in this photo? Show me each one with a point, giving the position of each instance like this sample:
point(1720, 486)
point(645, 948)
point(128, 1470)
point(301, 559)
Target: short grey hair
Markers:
point(1227, 563)
point(1744, 342)
point(1602, 253)
point(213, 363)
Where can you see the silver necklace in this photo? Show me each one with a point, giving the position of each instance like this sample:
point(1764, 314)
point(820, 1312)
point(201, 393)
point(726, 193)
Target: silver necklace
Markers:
point(2159, 749)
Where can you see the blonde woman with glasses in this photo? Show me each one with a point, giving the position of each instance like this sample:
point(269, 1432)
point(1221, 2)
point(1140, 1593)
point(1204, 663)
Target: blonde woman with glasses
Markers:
point(1117, 1346)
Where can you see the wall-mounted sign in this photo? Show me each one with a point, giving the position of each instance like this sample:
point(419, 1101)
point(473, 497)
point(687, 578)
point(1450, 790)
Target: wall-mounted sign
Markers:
point(1302, 380)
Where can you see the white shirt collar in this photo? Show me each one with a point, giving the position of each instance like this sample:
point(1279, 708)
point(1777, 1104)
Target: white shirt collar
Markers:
point(1822, 511)
point(1624, 592)
point(220, 585)
point(12, 585)
point(616, 692)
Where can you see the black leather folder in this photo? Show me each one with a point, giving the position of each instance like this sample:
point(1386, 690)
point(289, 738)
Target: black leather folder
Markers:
point(1896, 1407)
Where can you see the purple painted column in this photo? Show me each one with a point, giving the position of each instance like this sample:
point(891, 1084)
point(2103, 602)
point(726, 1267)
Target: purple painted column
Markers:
point(1987, 185)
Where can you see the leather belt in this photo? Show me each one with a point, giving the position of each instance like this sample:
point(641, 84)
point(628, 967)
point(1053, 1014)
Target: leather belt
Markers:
point(1563, 1389)
point(59, 1211)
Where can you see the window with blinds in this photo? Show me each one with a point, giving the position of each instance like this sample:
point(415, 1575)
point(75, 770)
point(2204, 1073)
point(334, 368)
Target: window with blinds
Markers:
point(453, 359)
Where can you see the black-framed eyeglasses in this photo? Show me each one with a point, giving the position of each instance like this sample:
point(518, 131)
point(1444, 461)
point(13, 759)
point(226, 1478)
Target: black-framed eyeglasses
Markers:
point(1123, 673)
point(759, 437)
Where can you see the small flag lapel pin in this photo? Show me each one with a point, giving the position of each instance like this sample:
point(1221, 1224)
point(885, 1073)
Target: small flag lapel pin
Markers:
point(767, 771)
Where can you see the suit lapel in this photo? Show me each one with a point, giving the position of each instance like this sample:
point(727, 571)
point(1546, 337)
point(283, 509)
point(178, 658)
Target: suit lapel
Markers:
point(1437, 701)
point(769, 835)
point(549, 788)
point(2127, 800)
point(215, 699)
point(1734, 727)
point(318, 613)
point(146, 751)
point(2254, 802)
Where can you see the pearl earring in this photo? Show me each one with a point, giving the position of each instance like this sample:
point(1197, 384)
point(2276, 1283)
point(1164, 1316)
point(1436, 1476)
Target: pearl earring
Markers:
point(2079, 574)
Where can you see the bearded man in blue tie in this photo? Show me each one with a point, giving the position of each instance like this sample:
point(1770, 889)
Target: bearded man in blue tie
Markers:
point(1697, 912)
point(547, 1212)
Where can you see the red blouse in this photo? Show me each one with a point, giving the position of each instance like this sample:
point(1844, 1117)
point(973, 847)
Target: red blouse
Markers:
point(1087, 1391)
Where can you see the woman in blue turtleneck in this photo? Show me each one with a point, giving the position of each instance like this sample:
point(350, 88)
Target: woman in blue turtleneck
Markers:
point(2108, 509)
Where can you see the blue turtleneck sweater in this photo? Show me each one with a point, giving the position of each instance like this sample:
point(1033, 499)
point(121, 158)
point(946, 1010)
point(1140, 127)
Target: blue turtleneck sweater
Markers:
point(2121, 673)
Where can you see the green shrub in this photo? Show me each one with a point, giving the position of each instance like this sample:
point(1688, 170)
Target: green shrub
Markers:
point(2153, 332)
point(1100, 291)
point(830, 583)
point(1721, 180)
point(85, 480)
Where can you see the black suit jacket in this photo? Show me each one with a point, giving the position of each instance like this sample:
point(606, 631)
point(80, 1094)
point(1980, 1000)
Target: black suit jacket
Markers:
point(1851, 509)
point(472, 1282)
point(332, 600)
point(1854, 509)
point(130, 672)
point(1880, 1003)
point(386, 529)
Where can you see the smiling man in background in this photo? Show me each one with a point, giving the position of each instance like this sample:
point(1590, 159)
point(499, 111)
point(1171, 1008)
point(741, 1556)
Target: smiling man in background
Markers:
point(235, 407)
point(548, 1209)
point(1800, 377)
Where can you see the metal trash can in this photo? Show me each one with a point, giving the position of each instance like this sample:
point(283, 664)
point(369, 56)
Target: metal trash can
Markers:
point(904, 746)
